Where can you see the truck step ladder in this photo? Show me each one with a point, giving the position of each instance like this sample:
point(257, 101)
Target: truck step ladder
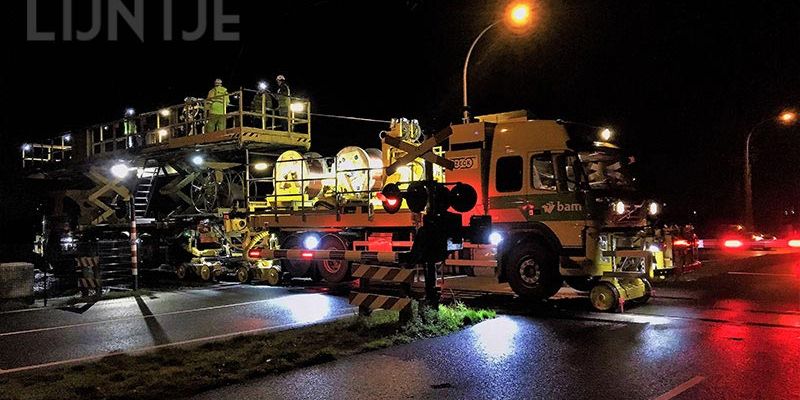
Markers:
point(144, 190)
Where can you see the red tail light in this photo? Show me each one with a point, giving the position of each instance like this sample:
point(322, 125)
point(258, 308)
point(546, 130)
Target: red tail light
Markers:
point(307, 255)
point(254, 253)
point(681, 243)
point(794, 243)
point(733, 243)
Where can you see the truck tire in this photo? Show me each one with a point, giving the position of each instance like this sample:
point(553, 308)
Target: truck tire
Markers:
point(532, 271)
point(272, 276)
point(333, 271)
point(243, 274)
point(182, 271)
point(604, 297)
point(206, 274)
point(581, 283)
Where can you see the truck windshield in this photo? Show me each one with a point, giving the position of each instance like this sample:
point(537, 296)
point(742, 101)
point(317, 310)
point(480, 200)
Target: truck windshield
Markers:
point(606, 170)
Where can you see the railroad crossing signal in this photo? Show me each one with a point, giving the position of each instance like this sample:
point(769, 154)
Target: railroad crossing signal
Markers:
point(460, 196)
point(422, 151)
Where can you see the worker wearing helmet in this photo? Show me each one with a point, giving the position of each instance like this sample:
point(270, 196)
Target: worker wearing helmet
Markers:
point(283, 94)
point(262, 104)
point(216, 107)
point(283, 87)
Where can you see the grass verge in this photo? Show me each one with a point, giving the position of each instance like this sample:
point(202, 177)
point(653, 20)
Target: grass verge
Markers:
point(178, 372)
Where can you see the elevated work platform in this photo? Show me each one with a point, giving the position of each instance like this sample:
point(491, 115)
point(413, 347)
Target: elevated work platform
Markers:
point(255, 120)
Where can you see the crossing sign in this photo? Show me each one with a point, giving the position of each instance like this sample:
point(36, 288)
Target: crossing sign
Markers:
point(422, 151)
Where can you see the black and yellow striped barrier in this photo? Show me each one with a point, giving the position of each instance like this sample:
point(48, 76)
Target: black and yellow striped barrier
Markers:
point(87, 262)
point(89, 283)
point(379, 301)
point(88, 272)
point(386, 274)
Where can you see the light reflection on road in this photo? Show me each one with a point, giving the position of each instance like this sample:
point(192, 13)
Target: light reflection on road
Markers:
point(306, 308)
point(496, 339)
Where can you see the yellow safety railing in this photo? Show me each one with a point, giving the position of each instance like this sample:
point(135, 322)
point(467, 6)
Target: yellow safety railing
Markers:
point(56, 150)
point(248, 111)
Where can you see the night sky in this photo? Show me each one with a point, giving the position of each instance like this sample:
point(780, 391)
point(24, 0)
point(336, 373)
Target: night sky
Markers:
point(681, 81)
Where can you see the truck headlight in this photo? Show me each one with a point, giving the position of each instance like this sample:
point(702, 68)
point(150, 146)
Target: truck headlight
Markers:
point(495, 238)
point(311, 242)
point(654, 208)
point(619, 207)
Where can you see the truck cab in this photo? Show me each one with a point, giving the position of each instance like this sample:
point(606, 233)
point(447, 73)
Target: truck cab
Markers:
point(564, 206)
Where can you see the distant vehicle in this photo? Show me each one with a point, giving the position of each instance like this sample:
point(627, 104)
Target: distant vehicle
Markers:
point(735, 236)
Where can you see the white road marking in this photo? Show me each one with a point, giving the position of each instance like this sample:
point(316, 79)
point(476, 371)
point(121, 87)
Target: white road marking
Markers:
point(133, 317)
point(266, 329)
point(57, 306)
point(27, 310)
point(681, 388)
point(221, 286)
point(761, 274)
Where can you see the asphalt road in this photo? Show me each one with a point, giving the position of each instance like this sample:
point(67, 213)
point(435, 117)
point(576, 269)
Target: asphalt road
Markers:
point(732, 332)
point(30, 339)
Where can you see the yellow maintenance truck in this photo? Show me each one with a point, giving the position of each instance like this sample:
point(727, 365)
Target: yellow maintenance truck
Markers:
point(559, 196)
point(561, 201)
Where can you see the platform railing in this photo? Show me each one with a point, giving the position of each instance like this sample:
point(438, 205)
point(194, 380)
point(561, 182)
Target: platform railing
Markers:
point(248, 110)
point(56, 150)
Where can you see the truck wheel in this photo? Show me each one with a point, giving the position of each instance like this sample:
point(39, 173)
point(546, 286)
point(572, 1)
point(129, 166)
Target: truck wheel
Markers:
point(205, 273)
point(580, 283)
point(604, 297)
point(272, 276)
point(333, 271)
point(181, 271)
point(532, 271)
point(243, 275)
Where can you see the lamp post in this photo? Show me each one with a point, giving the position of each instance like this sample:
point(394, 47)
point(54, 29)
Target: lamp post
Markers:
point(785, 118)
point(466, 65)
point(518, 16)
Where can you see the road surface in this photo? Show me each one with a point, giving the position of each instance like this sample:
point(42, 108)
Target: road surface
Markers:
point(731, 332)
point(33, 338)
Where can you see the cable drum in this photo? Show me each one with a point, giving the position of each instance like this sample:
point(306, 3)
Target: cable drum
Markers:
point(317, 170)
point(358, 171)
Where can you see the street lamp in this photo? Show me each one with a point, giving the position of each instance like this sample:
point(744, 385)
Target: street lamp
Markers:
point(518, 18)
point(785, 118)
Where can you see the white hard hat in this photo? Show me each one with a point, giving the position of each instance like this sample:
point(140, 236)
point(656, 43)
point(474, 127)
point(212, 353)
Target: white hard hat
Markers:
point(218, 81)
point(280, 78)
